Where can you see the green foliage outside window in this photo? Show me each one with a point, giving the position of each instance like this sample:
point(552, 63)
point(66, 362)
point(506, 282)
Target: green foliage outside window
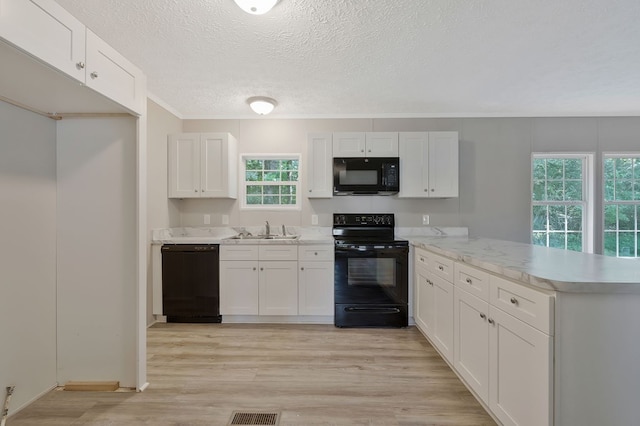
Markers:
point(557, 202)
point(271, 182)
point(622, 206)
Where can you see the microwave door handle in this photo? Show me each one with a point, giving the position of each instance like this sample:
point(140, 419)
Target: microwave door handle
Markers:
point(384, 176)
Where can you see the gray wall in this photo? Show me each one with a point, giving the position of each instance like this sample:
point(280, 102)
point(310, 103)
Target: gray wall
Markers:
point(495, 167)
point(160, 212)
point(27, 254)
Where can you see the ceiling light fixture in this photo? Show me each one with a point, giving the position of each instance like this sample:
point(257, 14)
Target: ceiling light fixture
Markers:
point(256, 7)
point(261, 104)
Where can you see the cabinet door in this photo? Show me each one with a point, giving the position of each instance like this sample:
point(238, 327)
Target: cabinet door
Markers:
point(46, 31)
point(381, 144)
point(239, 287)
point(414, 158)
point(349, 144)
point(315, 288)
point(319, 165)
point(471, 337)
point(443, 316)
point(278, 288)
point(184, 165)
point(520, 365)
point(109, 73)
point(218, 163)
point(443, 164)
point(424, 296)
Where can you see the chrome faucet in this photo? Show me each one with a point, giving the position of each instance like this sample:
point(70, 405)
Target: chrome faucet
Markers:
point(267, 229)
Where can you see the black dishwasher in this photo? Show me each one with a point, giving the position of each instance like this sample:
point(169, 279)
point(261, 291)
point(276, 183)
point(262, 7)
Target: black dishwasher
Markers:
point(191, 283)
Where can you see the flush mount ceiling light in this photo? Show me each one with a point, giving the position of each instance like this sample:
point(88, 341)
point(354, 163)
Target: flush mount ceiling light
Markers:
point(256, 7)
point(261, 104)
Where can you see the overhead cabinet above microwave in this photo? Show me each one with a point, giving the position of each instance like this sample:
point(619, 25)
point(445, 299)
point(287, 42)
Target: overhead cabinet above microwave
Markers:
point(365, 144)
point(428, 161)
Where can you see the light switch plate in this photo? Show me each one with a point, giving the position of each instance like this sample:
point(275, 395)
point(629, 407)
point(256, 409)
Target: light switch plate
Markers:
point(425, 219)
point(207, 219)
point(225, 219)
point(314, 219)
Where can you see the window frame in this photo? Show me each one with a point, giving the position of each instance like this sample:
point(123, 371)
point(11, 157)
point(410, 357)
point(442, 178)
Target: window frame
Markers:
point(243, 182)
point(605, 203)
point(588, 195)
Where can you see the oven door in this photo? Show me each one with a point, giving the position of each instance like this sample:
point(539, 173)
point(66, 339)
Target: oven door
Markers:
point(369, 275)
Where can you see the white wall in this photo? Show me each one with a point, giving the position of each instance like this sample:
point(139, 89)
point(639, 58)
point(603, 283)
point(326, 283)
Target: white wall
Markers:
point(97, 250)
point(161, 212)
point(495, 167)
point(27, 254)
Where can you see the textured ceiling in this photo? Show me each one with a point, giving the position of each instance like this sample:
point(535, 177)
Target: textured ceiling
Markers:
point(377, 58)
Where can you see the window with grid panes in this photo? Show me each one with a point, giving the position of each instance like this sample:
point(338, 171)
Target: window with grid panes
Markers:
point(621, 190)
point(560, 201)
point(270, 182)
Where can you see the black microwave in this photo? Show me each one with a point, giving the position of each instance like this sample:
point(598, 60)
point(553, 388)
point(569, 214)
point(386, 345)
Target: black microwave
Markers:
point(366, 176)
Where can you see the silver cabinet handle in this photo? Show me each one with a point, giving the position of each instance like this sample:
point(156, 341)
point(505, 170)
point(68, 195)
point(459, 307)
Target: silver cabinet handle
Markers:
point(80, 65)
point(491, 321)
point(483, 316)
point(254, 268)
point(262, 269)
point(432, 190)
point(426, 190)
point(469, 281)
point(302, 268)
point(94, 75)
point(514, 300)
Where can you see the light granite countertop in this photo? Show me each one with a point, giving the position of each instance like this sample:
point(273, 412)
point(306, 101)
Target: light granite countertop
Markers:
point(541, 267)
point(222, 235)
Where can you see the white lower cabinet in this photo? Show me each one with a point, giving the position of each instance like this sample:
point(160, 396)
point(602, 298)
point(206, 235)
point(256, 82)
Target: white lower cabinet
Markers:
point(471, 331)
point(278, 288)
point(239, 287)
point(434, 310)
point(496, 334)
point(520, 371)
point(270, 280)
point(315, 288)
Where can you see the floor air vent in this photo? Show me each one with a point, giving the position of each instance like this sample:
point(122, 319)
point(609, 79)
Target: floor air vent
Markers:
point(239, 418)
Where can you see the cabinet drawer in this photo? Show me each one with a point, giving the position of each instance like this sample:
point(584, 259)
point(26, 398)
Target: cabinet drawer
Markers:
point(278, 252)
point(239, 252)
point(533, 307)
point(316, 253)
point(435, 264)
point(472, 280)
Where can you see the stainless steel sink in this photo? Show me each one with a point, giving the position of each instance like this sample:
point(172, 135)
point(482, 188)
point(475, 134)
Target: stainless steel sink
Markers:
point(264, 237)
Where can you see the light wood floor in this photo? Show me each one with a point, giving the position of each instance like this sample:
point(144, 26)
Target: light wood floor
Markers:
point(313, 374)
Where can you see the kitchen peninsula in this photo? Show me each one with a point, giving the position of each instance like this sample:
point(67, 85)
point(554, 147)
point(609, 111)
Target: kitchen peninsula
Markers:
point(540, 335)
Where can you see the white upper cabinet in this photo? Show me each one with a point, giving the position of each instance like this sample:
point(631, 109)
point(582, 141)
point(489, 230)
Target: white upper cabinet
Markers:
point(428, 164)
point(202, 165)
point(365, 144)
point(48, 33)
point(112, 75)
point(319, 165)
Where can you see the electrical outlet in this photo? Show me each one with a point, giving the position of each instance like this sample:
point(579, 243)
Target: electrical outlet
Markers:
point(425, 219)
point(225, 219)
point(207, 219)
point(314, 219)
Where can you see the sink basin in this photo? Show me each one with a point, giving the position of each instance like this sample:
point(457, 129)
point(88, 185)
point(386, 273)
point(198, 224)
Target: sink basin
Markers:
point(264, 237)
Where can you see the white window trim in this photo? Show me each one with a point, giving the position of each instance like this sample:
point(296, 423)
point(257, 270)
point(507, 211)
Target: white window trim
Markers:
point(588, 193)
point(605, 155)
point(243, 183)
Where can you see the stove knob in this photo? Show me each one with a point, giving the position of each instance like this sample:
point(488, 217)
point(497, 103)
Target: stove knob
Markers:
point(377, 219)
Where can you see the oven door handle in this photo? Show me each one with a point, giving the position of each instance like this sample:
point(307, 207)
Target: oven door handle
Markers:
point(377, 310)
